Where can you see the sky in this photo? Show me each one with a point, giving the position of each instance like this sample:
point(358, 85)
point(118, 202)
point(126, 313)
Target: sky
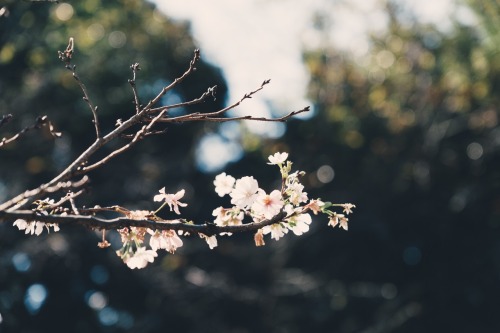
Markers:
point(255, 40)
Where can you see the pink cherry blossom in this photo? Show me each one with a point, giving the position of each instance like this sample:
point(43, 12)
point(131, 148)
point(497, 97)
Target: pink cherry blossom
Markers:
point(339, 219)
point(268, 205)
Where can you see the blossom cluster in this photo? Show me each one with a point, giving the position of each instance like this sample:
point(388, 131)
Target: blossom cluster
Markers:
point(140, 245)
point(36, 227)
point(250, 200)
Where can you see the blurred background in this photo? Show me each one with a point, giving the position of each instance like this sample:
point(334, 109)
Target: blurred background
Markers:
point(404, 125)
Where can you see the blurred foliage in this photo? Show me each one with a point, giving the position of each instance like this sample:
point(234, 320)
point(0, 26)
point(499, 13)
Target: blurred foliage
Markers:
point(409, 133)
point(109, 37)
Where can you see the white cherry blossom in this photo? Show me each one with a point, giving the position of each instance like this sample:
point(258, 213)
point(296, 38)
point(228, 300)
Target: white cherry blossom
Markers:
point(171, 199)
point(165, 239)
point(245, 192)
point(223, 184)
point(296, 194)
point(276, 230)
point(34, 227)
point(141, 258)
point(211, 240)
point(228, 216)
point(277, 158)
point(299, 224)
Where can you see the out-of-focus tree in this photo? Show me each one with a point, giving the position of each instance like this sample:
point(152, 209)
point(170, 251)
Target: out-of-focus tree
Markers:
point(109, 37)
point(412, 131)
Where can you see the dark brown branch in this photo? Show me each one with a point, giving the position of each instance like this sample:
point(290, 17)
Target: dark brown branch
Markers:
point(135, 68)
point(68, 197)
point(166, 89)
point(138, 136)
point(21, 199)
point(210, 92)
point(206, 117)
point(208, 229)
point(66, 58)
point(39, 123)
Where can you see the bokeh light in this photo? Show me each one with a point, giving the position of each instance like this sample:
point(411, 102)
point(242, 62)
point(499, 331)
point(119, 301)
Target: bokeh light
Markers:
point(35, 297)
point(21, 262)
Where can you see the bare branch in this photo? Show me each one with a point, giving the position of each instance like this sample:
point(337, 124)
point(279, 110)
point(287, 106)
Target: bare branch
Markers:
point(70, 196)
point(135, 68)
point(39, 123)
point(210, 92)
point(192, 68)
point(212, 116)
point(204, 117)
point(138, 136)
point(22, 199)
point(66, 58)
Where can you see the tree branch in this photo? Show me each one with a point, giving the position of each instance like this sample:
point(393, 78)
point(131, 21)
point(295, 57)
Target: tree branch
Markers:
point(94, 222)
point(66, 58)
point(39, 123)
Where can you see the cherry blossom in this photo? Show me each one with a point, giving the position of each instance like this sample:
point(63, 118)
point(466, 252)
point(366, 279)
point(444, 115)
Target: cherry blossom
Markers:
point(348, 208)
point(165, 239)
point(245, 192)
point(299, 224)
point(339, 219)
point(228, 216)
point(276, 230)
point(277, 158)
point(268, 205)
point(296, 194)
point(211, 240)
point(223, 184)
point(171, 199)
point(35, 227)
point(140, 258)
point(315, 206)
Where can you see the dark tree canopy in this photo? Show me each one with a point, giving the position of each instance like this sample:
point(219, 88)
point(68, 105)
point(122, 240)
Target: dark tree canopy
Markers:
point(412, 139)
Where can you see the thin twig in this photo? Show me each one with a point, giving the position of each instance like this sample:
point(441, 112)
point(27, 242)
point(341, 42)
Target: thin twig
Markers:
point(66, 58)
point(192, 68)
point(138, 136)
point(21, 200)
point(69, 196)
point(206, 117)
point(135, 68)
point(210, 92)
point(39, 123)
